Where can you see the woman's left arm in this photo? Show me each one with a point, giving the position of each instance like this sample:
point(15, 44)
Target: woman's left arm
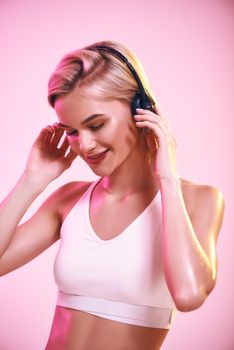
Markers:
point(189, 239)
point(189, 242)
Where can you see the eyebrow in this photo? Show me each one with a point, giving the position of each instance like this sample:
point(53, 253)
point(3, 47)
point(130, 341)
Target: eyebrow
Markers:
point(87, 120)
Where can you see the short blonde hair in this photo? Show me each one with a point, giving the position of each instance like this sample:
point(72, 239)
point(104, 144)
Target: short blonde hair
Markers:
point(98, 75)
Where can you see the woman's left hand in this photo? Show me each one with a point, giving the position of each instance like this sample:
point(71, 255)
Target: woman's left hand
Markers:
point(160, 141)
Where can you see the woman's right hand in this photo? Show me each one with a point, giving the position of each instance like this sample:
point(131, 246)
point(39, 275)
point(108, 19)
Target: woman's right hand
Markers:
point(46, 160)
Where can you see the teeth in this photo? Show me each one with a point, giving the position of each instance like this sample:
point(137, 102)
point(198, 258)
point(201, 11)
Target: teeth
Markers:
point(98, 155)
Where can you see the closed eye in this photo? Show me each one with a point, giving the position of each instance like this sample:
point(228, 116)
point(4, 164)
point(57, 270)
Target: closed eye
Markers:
point(70, 133)
point(91, 127)
point(96, 127)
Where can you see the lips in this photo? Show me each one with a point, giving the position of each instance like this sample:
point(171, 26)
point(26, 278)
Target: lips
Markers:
point(96, 158)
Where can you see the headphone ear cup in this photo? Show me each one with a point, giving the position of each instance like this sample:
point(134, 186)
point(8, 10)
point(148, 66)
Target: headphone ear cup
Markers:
point(148, 105)
point(137, 102)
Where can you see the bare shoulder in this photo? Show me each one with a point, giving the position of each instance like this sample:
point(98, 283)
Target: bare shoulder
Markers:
point(62, 200)
point(202, 193)
point(71, 189)
point(204, 202)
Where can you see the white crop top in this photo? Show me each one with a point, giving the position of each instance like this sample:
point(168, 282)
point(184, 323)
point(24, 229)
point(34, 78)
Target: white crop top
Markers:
point(120, 279)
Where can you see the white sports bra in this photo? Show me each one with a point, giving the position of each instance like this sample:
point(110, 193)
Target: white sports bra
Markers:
point(120, 279)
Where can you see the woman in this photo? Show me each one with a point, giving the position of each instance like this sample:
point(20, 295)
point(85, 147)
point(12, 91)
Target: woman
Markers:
point(137, 244)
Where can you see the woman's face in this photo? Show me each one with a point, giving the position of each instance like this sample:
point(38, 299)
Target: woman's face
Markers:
point(102, 133)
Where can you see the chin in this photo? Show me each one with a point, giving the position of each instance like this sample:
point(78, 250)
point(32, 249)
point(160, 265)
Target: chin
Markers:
point(101, 172)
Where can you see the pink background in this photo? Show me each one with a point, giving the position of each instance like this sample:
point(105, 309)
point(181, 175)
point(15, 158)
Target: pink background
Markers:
point(186, 48)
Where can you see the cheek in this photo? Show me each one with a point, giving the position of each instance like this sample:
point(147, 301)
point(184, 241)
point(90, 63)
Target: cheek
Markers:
point(127, 134)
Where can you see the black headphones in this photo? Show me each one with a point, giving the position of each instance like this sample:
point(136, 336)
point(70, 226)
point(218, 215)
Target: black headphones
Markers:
point(140, 99)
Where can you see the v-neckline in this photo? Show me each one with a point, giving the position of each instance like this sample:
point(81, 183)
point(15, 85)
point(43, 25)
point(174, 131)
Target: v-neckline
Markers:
point(132, 223)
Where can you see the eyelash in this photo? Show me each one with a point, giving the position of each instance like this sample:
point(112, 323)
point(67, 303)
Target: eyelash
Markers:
point(71, 132)
point(96, 127)
point(91, 127)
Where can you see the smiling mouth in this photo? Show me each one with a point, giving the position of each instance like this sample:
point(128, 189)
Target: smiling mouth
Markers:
point(96, 157)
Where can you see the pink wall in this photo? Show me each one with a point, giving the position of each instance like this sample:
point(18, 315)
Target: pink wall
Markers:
point(187, 51)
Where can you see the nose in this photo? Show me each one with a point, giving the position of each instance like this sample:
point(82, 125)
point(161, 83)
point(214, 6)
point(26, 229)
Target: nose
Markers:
point(85, 144)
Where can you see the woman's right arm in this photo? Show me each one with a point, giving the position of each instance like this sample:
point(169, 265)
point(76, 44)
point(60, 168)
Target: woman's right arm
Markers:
point(21, 243)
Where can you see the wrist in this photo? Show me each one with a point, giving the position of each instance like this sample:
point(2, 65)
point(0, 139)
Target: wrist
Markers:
point(170, 179)
point(170, 182)
point(33, 181)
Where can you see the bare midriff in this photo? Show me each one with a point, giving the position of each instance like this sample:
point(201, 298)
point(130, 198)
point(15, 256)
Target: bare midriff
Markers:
point(77, 330)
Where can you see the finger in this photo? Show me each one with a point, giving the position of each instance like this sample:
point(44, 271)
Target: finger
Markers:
point(159, 134)
point(150, 113)
point(43, 133)
point(57, 136)
point(65, 145)
point(157, 120)
point(152, 121)
point(71, 156)
point(49, 135)
point(153, 118)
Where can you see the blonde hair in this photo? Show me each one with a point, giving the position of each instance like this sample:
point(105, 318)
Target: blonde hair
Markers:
point(98, 75)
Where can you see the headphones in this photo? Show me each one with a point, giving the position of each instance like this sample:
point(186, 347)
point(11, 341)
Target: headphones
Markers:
point(140, 99)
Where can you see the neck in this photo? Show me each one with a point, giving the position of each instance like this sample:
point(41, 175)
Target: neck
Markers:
point(134, 175)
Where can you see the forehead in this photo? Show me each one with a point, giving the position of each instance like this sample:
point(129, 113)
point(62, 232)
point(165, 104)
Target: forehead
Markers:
point(75, 107)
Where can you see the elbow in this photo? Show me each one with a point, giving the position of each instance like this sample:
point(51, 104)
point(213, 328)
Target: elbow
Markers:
point(186, 306)
point(190, 303)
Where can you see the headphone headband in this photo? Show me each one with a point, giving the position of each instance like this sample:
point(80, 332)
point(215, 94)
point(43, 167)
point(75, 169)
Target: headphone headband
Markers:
point(126, 61)
point(140, 99)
